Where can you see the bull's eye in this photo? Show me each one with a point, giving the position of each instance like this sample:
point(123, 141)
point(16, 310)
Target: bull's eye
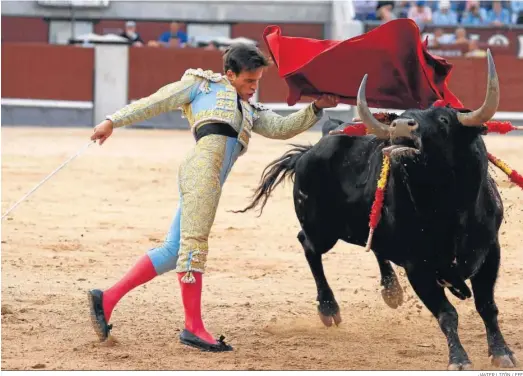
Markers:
point(444, 120)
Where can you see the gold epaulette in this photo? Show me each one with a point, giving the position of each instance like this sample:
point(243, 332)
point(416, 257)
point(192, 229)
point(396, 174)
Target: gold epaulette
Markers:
point(207, 74)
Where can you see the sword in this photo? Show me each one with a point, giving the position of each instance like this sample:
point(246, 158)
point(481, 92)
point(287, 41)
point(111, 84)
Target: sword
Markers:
point(48, 177)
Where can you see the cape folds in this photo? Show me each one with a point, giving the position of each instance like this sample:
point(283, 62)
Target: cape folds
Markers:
point(402, 73)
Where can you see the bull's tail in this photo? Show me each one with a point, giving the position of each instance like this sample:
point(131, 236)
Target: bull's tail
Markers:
point(274, 174)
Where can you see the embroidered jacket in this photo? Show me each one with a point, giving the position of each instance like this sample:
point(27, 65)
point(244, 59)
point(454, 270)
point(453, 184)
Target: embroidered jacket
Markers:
point(205, 97)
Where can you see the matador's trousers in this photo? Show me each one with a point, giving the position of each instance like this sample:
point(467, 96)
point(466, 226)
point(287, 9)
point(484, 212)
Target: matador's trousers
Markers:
point(200, 178)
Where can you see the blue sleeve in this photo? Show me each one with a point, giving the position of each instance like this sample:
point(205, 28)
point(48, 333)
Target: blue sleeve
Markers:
point(465, 20)
point(183, 37)
point(506, 17)
point(164, 37)
point(483, 13)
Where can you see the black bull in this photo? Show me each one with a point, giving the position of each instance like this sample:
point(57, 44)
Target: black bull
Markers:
point(441, 213)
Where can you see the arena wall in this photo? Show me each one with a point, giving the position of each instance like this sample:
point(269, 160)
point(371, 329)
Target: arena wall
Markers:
point(64, 78)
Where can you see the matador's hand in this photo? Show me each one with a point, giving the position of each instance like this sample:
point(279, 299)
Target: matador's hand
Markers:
point(327, 101)
point(102, 131)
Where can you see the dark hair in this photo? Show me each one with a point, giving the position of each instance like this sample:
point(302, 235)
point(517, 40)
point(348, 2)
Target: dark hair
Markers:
point(243, 57)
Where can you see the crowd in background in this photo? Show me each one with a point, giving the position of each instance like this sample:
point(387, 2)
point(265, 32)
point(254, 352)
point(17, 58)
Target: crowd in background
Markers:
point(443, 12)
point(174, 37)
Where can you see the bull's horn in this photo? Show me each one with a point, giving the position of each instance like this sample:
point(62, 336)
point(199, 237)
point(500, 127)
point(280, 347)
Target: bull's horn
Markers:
point(373, 125)
point(490, 105)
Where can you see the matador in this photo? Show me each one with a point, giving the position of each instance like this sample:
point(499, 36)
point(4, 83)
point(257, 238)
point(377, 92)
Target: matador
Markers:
point(222, 118)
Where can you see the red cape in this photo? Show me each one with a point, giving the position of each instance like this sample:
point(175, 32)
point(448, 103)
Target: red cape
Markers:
point(402, 74)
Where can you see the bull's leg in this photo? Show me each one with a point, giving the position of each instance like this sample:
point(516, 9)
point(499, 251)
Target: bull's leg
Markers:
point(483, 287)
point(433, 296)
point(328, 308)
point(392, 292)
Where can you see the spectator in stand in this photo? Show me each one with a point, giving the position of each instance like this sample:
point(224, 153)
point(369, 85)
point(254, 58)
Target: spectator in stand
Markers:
point(174, 33)
point(212, 46)
point(173, 38)
point(384, 11)
point(459, 7)
point(517, 11)
point(474, 50)
point(420, 13)
point(131, 34)
point(440, 38)
point(444, 15)
point(364, 8)
point(474, 15)
point(461, 36)
point(498, 15)
point(401, 8)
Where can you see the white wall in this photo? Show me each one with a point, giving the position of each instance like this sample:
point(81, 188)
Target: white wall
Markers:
point(111, 63)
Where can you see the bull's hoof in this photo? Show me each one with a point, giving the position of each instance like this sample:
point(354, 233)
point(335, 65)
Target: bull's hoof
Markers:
point(329, 312)
point(504, 361)
point(462, 366)
point(328, 320)
point(392, 293)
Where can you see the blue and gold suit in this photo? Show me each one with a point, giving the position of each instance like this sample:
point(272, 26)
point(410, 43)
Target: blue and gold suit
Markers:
point(206, 97)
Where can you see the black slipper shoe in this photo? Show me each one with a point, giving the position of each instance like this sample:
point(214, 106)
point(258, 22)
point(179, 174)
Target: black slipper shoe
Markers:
point(189, 339)
point(100, 326)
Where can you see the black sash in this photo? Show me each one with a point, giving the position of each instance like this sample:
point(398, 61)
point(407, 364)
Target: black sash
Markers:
point(216, 128)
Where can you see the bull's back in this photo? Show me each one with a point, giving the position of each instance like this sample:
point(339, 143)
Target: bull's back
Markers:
point(340, 159)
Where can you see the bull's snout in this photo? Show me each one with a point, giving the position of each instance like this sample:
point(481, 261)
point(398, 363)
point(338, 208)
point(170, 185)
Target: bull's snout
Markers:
point(404, 141)
point(403, 128)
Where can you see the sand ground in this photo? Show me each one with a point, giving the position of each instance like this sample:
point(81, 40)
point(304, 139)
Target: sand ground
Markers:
point(87, 225)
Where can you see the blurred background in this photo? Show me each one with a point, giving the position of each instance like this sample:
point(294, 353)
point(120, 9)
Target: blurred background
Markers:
point(71, 62)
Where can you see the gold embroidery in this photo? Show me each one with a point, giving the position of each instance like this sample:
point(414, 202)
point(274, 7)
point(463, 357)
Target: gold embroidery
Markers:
point(187, 112)
point(168, 98)
point(200, 189)
point(202, 114)
point(226, 94)
point(225, 104)
point(244, 138)
point(205, 87)
point(272, 125)
point(205, 116)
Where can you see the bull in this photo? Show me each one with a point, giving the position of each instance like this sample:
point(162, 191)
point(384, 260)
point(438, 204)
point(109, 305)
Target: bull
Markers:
point(441, 212)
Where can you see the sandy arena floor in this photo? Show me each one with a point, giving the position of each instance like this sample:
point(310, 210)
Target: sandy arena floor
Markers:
point(87, 225)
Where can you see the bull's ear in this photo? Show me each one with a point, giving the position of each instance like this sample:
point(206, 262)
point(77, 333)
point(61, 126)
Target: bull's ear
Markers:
point(471, 132)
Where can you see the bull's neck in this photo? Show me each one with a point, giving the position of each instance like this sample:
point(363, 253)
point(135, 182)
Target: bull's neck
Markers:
point(418, 190)
point(430, 188)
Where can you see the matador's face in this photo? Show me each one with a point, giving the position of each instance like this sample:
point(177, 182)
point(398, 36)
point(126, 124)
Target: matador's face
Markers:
point(246, 82)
